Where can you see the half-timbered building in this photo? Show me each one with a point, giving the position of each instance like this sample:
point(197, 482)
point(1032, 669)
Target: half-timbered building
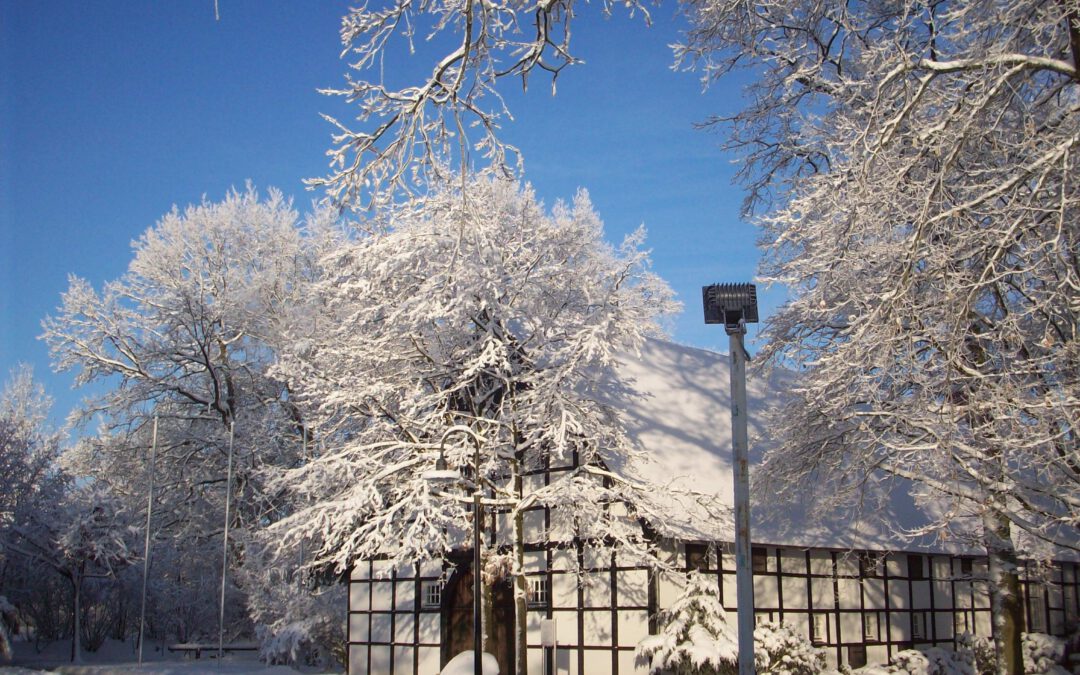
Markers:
point(850, 586)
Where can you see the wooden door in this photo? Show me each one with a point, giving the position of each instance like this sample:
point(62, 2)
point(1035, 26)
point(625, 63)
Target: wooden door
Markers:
point(457, 620)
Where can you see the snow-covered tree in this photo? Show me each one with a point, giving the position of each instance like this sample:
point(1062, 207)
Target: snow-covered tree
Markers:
point(85, 535)
point(474, 321)
point(187, 335)
point(916, 163)
point(28, 450)
point(695, 637)
point(913, 163)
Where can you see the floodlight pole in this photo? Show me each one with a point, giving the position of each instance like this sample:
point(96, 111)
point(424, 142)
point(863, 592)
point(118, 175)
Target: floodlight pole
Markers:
point(146, 543)
point(744, 578)
point(734, 305)
point(225, 547)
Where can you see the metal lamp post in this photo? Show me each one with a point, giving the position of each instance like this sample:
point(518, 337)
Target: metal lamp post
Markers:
point(735, 305)
point(443, 474)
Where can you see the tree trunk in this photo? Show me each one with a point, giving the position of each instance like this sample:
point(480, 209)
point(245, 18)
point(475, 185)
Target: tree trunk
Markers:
point(520, 590)
point(76, 617)
point(1006, 603)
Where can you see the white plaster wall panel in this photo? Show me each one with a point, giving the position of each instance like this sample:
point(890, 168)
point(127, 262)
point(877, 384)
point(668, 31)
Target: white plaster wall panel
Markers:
point(535, 561)
point(429, 627)
point(382, 595)
point(405, 571)
point(729, 560)
point(941, 567)
point(597, 558)
point(979, 568)
point(564, 588)
point(380, 661)
point(982, 623)
point(670, 588)
point(380, 628)
point(792, 561)
point(404, 628)
point(943, 596)
point(667, 553)
point(628, 666)
point(1068, 573)
point(406, 595)
point(381, 569)
point(943, 625)
point(403, 659)
point(877, 654)
point(766, 591)
point(566, 628)
point(358, 628)
point(962, 595)
point(874, 592)
point(358, 658)
point(851, 627)
point(361, 570)
point(532, 482)
point(563, 560)
point(429, 660)
point(821, 592)
point(597, 662)
point(431, 568)
point(821, 563)
point(359, 596)
point(626, 559)
point(729, 596)
point(534, 660)
point(598, 628)
point(898, 594)
point(534, 525)
point(899, 626)
point(920, 594)
point(794, 592)
point(532, 627)
point(504, 528)
point(633, 626)
point(896, 565)
point(566, 662)
point(847, 564)
point(850, 593)
point(980, 595)
point(633, 588)
point(800, 623)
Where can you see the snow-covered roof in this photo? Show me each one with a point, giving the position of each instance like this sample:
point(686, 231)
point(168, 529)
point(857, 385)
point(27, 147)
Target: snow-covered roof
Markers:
point(675, 402)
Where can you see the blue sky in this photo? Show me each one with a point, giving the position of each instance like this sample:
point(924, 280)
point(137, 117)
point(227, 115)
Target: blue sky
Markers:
point(112, 112)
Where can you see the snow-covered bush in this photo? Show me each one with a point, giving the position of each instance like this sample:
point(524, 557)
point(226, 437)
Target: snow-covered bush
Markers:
point(932, 661)
point(695, 637)
point(978, 651)
point(781, 651)
point(1043, 654)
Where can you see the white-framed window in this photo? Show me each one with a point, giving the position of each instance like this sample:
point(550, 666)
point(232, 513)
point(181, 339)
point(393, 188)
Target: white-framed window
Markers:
point(538, 591)
point(870, 627)
point(819, 628)
point(1037, 605)
point(431, 594)
point(918, 626)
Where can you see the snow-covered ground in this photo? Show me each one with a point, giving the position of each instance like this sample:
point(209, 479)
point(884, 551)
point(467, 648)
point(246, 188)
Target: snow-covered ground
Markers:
point(120, 657)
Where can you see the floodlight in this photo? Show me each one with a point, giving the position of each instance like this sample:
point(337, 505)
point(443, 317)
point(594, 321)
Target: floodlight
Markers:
point(730, 304)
